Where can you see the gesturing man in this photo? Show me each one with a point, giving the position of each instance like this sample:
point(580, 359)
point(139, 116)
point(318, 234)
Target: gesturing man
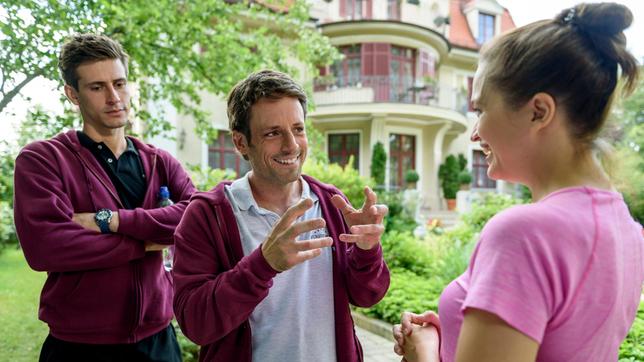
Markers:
point(86, 213)
point(266, 266)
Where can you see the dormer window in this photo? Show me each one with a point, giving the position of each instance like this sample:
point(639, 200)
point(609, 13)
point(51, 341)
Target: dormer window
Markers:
point(486, 28)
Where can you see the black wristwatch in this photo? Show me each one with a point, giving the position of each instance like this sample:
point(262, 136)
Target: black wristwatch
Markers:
point(103, 218)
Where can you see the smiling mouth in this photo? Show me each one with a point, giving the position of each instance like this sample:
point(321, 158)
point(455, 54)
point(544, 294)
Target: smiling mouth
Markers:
point(286, 161)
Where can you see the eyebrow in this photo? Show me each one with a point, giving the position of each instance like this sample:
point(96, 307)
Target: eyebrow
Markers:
point(101, 82)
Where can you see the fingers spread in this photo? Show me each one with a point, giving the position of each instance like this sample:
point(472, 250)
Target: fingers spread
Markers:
point(293, 213)
point(312, 244)
point(342, 205)
point(367, 229)
point(370, 198)
point(304, 226)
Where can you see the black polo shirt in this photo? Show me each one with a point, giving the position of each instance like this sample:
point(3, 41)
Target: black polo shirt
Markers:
point(126, 172)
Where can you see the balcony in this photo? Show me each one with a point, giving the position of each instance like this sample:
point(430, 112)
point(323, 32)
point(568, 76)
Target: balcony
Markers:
point(375, 89)
point(329, 90)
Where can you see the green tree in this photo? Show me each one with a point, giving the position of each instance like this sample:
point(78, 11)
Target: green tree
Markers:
point(178, 48)
point(378, 163)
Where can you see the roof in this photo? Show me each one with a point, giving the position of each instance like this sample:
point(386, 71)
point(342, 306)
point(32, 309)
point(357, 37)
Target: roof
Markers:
point(460, 33)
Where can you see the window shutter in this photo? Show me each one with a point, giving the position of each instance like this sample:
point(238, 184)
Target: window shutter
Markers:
point(343, 8)
point(470, 80)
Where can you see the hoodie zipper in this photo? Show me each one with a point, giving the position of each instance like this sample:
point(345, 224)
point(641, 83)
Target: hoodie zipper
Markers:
point(138, 289)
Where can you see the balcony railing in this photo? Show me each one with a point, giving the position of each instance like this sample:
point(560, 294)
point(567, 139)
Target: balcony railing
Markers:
point(384, 88)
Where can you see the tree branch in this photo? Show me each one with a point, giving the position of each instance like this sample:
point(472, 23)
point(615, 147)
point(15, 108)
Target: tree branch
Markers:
point(8, 97)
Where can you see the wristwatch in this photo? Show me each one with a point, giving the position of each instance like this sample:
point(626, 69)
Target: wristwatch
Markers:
point(103, 218)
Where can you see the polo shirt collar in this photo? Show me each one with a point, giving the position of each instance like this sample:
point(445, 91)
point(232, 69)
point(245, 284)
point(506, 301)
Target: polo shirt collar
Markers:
point(244, 196)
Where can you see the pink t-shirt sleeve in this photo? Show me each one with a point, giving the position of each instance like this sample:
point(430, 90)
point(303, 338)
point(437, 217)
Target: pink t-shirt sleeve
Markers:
point(514, 274)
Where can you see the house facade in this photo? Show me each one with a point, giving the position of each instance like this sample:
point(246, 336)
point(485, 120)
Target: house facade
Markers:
point(404, 81)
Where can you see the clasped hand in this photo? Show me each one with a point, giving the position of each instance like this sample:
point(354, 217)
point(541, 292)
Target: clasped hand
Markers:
point(418, 337)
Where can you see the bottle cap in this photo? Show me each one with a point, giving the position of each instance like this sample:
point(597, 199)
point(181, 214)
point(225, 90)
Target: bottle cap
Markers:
point(164, 193)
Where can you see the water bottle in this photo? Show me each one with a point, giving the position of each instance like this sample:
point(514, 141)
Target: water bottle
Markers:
point(168, 253)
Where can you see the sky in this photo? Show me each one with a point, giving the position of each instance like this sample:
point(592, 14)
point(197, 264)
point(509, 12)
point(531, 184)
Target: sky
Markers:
point(523, 12)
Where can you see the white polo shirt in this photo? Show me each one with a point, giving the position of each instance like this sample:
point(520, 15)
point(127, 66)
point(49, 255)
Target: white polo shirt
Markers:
point(296, 321)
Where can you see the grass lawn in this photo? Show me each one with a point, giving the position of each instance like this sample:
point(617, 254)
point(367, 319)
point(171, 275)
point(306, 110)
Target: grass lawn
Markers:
point(21, 330)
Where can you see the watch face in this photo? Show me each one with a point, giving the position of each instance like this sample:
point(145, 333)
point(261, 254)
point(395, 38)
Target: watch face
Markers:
point(103, 215)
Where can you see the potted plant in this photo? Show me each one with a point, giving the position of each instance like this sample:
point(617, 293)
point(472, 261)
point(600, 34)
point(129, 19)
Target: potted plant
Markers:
point(411, 177)
point(411, 196)
point(464, 179)
point(448, 174)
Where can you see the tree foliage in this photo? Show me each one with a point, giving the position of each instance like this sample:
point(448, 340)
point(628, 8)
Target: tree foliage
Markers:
point(178, 49)
point(628, 136)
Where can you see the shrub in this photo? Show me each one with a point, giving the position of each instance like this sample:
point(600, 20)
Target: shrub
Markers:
point(378, 164)
point(632, 349)
point(411, 176)
point(407, 292)
point(464, 177)
point(347, 179)
point(488, 205)
point(396, 218)
point(205, 178)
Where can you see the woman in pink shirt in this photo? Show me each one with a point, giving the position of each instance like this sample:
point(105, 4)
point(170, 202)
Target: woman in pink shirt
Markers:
point(559, 279)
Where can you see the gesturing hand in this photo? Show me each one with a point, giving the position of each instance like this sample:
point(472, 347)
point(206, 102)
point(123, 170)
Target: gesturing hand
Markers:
point(365, 224)
point(281, 250)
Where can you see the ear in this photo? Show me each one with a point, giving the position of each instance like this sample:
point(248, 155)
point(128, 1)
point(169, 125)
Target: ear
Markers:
point(71, 94)
point(240, 142)
point(543, 108)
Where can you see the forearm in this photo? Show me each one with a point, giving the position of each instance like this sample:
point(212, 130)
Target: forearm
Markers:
point(208, 308)
point(367, 276)
point(157, 225)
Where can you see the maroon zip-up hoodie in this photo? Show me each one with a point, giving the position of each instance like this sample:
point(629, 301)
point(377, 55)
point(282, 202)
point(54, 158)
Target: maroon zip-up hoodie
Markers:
point(217, 287)
point(100, 288)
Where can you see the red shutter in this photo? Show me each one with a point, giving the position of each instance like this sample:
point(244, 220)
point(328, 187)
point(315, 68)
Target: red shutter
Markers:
point(366, 60)
point(381, 59)
point(343, 8)
point(470, 80)
point(369, 9)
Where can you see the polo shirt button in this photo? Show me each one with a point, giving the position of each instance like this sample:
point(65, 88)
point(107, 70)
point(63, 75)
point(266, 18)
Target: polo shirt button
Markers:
point(100, 147)
point(109, 160)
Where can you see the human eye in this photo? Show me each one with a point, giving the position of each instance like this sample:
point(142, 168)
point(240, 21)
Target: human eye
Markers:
point(271, 134)
point(477, 111)
point(95, 88)
point(120, 84)
point(299, 129)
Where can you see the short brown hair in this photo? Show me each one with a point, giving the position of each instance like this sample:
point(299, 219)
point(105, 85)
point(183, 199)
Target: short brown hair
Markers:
point(263, 84)
point(87, 48)
point(574, 58)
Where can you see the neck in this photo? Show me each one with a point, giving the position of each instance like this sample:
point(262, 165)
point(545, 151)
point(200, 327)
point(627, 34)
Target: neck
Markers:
point(274, 197)
point(114, 139)
point(569, 169)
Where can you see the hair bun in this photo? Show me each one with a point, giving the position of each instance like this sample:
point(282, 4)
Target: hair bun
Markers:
point(605, 19)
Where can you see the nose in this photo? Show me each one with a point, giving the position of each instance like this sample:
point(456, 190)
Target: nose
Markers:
point(289, 144)
point(113, 95)
point(474, 137)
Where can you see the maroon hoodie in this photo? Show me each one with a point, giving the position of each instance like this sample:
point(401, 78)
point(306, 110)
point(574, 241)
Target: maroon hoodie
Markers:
point(217, 287)
point(100, 288)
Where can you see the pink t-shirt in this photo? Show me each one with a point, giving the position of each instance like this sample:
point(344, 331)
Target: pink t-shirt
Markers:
point(566, 271)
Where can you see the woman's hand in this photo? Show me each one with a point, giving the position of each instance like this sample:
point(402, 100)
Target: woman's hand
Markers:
point(418, 337)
